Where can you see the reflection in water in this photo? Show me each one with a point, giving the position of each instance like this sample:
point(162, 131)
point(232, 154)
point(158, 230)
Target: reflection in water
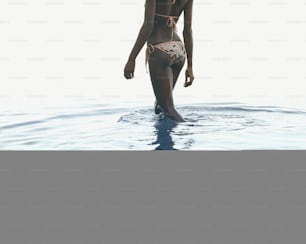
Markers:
point(229, 126)
point(164, 127)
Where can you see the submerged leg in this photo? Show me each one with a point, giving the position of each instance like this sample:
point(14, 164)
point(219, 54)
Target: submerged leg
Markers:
point(157, 108)
point(162, 81)
point(176, 70)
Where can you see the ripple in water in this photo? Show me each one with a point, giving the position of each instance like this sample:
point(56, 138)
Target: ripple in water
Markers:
point(208, 127)
point(225, 128)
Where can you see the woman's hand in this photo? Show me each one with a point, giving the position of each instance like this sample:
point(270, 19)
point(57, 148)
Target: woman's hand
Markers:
point(188, 77)
point(129, 69)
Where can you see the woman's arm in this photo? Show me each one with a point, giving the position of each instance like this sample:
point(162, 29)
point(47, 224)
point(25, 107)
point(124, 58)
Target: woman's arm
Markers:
point(188, 40)
point(143, 35)
point(187, 33)
point(146, 28)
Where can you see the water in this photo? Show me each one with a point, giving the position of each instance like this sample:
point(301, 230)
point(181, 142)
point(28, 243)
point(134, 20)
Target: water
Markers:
point(91, 125)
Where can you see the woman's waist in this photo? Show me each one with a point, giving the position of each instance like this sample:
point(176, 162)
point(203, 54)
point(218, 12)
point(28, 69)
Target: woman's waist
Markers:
point(159, 37)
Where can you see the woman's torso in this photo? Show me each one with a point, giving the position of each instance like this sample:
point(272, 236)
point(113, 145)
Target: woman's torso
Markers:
point(161, 31)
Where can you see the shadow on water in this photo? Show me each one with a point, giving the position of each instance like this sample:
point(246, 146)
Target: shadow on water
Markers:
point(163, 128)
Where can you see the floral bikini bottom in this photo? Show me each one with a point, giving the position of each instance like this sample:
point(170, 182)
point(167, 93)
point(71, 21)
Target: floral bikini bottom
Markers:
point(175, 49)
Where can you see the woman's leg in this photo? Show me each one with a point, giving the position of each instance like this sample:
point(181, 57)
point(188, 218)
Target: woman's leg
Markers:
point(162, 78)
point(176, 69)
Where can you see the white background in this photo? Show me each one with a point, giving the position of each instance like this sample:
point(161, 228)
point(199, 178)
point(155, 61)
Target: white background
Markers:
point(243, 50)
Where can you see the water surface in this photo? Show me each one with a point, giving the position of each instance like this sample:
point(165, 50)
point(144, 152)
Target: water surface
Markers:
point(208, 126)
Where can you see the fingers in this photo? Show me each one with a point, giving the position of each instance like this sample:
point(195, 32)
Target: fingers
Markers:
point(188, 79)
point(129, 75)
point(129, 70)
point(186, 84)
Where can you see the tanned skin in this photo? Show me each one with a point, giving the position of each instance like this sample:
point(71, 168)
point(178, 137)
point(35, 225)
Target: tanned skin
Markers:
point(163, 72)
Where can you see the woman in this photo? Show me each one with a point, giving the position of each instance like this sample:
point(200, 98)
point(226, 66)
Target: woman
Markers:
point(165, 51)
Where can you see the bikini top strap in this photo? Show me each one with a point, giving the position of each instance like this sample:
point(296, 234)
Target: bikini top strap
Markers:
point(171, 22)
point(171, 19)
point(167, 16)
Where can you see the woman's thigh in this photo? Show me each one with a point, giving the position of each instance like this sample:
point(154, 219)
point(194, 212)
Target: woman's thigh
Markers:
point(161, 77)
point(176, 69)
